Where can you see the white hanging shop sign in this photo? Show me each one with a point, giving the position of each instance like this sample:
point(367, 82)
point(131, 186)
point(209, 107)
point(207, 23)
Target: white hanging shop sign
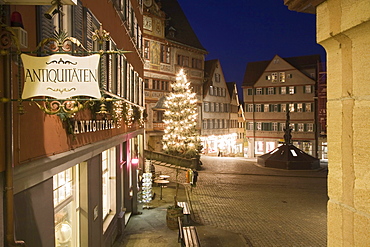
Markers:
point(61, 76)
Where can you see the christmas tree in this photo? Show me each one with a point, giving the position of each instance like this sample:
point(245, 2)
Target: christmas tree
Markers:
point(180, 135)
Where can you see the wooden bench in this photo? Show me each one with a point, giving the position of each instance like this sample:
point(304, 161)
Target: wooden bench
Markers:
point(188, 235)
point(185, 211)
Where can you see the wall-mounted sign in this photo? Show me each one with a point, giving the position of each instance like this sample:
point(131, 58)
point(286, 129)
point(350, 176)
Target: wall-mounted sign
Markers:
point(85, 126)
point(61, 76)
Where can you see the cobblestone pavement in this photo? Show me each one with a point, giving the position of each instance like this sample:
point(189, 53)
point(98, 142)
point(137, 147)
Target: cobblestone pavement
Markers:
point(268, 207)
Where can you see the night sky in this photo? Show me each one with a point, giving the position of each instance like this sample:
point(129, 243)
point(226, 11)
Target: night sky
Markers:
point(242, 31)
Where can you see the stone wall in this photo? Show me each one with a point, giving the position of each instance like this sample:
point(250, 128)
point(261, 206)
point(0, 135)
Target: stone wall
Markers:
point(343, 29)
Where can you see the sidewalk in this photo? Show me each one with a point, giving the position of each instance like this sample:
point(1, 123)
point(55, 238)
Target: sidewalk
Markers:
point(150, 229)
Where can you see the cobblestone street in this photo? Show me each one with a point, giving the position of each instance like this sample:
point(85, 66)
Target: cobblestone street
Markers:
point(268, 207)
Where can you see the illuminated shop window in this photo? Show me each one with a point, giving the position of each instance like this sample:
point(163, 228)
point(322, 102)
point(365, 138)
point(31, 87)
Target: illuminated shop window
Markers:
point(108, 184)
point(66, 208)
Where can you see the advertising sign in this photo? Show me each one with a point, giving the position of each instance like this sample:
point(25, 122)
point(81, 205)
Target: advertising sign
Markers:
point(61, 76)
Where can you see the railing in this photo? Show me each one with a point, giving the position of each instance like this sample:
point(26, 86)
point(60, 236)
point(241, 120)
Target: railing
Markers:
point(193, 163)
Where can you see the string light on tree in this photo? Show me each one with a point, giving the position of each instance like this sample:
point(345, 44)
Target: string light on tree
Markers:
point(180, 135)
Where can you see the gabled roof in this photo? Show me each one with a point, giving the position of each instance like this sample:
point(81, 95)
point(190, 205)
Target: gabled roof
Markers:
point(230, 88)
point(177, 22)
point(254, 70)
point(209, 70)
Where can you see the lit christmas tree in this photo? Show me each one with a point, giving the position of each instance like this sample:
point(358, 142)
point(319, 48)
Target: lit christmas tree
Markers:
point(180, 135)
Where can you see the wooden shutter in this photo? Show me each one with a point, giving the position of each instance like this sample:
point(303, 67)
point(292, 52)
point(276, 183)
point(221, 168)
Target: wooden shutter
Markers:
point(46, 27)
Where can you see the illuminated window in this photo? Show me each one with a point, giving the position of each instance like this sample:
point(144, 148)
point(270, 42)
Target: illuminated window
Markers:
point(307, 89)
point(308, 107)
point(282, 126)
point(310, 127)
point(274, 77)
point(283, 90)
point(165, 55)
point(266, 108)
point(250, 107)
point(66, 207)
point(300, 127)
point(108, 183)
point(282, 77)
point(291, 107)
point(274, 126)
point(299, 107)
point(258, 108)
point(283, 107)
point(259, 126)
point(146, 49)
point(291, 90)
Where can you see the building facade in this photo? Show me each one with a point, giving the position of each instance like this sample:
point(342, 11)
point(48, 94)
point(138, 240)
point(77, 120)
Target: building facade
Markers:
point(343, 30)
point(220, 133)
point(271, 89)
point(169, 45)
point(72, 163)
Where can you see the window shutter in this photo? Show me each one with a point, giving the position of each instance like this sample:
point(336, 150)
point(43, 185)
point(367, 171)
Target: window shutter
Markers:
point(77, 27)
point(303, 107)
point(46, 26)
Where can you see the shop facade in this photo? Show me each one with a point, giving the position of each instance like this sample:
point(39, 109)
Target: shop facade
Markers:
point(72, 162)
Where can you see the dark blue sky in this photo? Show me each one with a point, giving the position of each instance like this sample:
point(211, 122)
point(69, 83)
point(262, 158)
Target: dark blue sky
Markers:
point(242, 31)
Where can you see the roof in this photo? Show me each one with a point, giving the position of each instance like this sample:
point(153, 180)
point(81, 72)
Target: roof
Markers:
point(177, 21)
point(254, 70)
point(230, 88)
point(209, 70)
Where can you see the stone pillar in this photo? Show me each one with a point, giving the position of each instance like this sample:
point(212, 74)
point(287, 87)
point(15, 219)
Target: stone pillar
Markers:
point(343, 29)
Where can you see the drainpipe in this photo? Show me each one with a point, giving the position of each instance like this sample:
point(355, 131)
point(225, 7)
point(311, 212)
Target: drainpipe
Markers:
point(9, 194)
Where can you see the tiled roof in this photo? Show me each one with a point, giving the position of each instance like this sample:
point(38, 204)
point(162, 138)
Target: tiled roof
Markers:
point(178, 22)
point(254, 70)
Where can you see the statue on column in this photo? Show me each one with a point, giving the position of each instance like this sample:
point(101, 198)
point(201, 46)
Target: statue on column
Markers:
point(287, 129)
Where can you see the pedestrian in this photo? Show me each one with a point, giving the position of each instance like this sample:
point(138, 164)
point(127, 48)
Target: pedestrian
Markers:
point(195, 178)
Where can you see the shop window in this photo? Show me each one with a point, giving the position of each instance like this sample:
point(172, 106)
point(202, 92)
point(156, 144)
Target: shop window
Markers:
point(259, 147)
point(66, 207)
point(108, 185)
